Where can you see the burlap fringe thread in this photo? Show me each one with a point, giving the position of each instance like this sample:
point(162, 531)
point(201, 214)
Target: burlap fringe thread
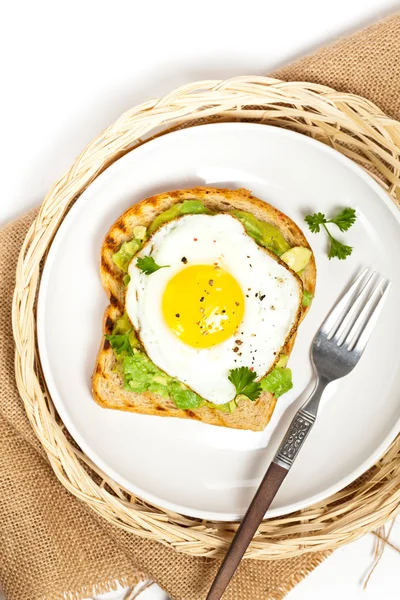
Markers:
point(381, 535)
point(92, 592)
point(350, 124)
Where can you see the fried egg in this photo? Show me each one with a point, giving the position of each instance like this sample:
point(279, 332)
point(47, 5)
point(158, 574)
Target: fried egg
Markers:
point(220, 302)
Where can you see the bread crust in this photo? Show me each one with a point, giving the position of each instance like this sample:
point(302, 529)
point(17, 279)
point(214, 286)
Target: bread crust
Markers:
point(107, 385)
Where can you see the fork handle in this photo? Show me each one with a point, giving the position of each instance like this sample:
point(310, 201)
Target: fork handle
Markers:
point(295, 437)
point(300, 427)
point(287, 452)
point(265, 494)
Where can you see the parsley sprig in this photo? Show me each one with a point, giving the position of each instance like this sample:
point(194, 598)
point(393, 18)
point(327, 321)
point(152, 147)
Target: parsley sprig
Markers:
point(244, 381)
point(344, 220)
point(148, 265)
point(120, 343)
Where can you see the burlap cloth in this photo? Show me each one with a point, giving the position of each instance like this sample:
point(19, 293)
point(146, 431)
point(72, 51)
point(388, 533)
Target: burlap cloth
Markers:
point(51, 545)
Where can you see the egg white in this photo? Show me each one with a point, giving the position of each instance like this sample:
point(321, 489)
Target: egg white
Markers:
point(272, 301)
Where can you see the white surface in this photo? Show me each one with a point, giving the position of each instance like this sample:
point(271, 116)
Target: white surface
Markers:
point(72, 67)
point(185, 465)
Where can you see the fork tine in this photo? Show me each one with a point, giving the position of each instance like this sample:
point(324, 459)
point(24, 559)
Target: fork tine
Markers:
point(336, 316)
point(355, 309)
point(360, 333)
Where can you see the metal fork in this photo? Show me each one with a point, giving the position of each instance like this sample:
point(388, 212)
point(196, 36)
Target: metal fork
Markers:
point(336, 349)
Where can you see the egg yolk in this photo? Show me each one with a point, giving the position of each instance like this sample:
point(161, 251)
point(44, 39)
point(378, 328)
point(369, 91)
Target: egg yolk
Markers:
point(203, 305)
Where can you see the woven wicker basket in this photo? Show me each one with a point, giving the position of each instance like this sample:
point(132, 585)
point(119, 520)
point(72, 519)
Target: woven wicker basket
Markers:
point(350, 124)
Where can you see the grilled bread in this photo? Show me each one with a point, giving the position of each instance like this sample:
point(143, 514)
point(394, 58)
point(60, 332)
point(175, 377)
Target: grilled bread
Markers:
point(107, 383)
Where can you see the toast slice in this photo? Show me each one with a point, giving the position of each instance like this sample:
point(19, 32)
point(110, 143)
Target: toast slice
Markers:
point(107, 385)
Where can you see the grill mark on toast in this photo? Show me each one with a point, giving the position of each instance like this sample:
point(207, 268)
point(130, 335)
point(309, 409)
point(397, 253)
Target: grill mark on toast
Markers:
point(110, 242)
point(109, 324)
point(121, 226)
point(191, 414)
point(107, 345)
point(105, 265)
point(113, 300)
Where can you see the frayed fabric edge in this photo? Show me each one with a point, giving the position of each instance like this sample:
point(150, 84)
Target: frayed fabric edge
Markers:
point(103, 587)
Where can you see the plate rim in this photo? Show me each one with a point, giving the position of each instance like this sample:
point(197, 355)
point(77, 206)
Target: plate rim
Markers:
point(56, 397)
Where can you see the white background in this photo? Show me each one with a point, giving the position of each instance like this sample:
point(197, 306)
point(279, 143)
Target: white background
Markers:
point(68, 69)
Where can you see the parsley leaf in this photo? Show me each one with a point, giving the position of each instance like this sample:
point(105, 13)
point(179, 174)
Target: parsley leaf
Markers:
point(120, 344)
point(315, 221)
point(338, 250)
point(148, 265)
point(244, 381)
point(345, 219)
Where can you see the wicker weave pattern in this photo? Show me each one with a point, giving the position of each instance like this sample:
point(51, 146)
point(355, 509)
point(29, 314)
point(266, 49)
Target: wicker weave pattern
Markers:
point(350, 124)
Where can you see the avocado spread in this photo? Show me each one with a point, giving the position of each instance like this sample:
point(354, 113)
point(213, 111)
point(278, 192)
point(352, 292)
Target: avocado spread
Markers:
point(187, 207)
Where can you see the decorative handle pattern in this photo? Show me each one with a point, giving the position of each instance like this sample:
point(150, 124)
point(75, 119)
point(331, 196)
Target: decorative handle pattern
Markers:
point(294, 439)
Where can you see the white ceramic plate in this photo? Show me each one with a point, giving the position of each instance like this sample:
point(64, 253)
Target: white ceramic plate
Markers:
point(202, 470)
